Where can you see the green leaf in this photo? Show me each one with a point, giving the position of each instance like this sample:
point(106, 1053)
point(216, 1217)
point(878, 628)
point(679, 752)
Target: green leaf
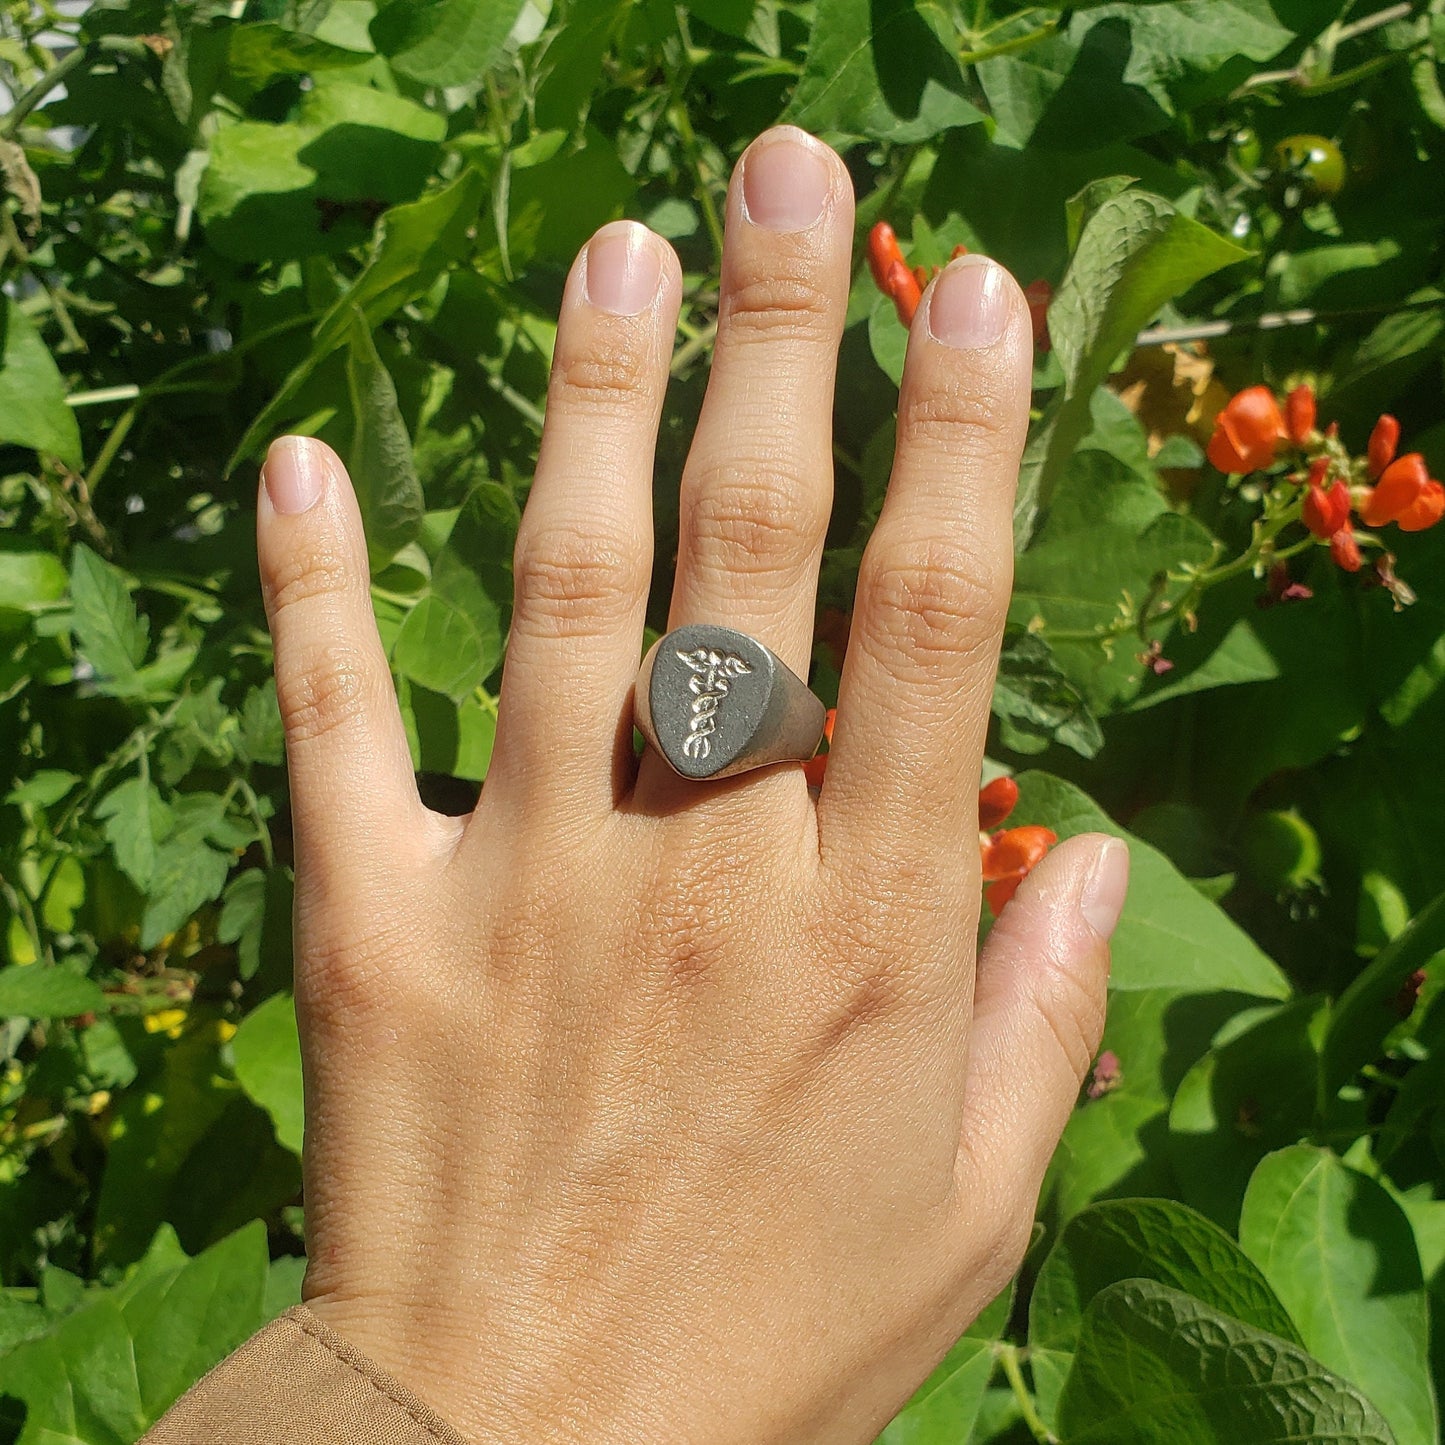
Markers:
point(106, 1371)
point(1367, 1010)
point(41, 991)
point(1109, 542)
point(444, 42)
point(1256, 1090)
point(1341, 1255)
point(28, 579)
point(887, 70)
point(1155, 1367)
point(945, 1406)
point(1156, 1239)
point(258, 53)
point(1135, 253)
point(136, 821)
point(1036, 704)
point(190, 865)
point(438, 647)
point(267, 1056)
point(108, 631)
point(33, 412)
point(1168, 936)
point(381, 465)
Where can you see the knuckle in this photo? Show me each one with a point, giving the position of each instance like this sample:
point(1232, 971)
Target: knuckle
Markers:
point(321, 568)
point(326, 693)
point(611, 382)
point(959, 420)
point(927, 598)
point(752, 519)
point(1072, 1011)
point(576, 580)
point(353, 971)
point(780, 305)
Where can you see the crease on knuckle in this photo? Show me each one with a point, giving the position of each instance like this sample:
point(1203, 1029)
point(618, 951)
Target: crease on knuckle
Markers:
point(353, 972)
point(577, 580)
point(328, 693)
point(959, 420)
point(1071, 1011)
point(779, 307)
point(318, 569)
point(754, 519)
point(611, 383)
point(932, 598)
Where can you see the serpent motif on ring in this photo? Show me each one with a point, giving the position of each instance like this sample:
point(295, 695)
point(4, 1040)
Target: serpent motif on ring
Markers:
point(713, 673)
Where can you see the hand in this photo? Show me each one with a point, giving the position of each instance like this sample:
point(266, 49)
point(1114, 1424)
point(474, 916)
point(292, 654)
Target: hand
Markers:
point(640, 1110)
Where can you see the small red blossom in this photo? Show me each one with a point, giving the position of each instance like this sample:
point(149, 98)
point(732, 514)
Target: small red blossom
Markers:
point(1345, 550)
point(1383, 442)
point(1409, 994)
point(903, 287)
point(1325, 512)
point(1107, 1076)
point(1318, 474)
point(1399, 487)
point(1007, 858)
point(996, 801)
point(817, 765)
point(1248, 432)
point(1280, 587)
point(883, 251)
point(1299, 414)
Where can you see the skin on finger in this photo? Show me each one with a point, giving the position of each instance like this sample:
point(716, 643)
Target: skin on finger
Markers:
point(1038, 1019)
point(933, 587)
point(352, 788)
point(758, 485)
point(584, 552)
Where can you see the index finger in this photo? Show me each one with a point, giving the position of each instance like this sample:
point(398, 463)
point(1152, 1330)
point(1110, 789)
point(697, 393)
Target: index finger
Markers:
point(933, 588)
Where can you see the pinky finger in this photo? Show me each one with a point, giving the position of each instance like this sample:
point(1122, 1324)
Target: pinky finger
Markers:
point(1038, 1017)
point(352, 788)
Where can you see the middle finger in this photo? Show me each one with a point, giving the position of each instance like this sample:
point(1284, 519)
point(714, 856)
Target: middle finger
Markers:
point(758, 485)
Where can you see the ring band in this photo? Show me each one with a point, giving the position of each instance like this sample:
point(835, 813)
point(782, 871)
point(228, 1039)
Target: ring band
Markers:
point(714, 702)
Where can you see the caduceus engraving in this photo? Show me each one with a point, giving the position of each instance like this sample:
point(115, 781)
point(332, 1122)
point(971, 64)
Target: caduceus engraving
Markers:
point(712, 675)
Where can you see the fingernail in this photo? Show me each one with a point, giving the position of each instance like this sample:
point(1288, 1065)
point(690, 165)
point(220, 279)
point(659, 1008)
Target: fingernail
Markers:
point(786, 181)
point(294, 473)
point(969, 304)
point(624, 268)
point(1101, 900)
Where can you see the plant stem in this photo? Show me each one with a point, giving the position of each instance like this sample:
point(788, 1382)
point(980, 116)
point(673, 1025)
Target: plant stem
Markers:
point(1010, 47)
point(113, 444)
point(692, 348)
point(1008, 1357)
point(32, 98)
point(1274, 321)
point(1365, 24)
point(712, 218)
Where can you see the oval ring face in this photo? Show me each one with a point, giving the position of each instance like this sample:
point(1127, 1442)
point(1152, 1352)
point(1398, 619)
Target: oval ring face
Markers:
point(708, 695)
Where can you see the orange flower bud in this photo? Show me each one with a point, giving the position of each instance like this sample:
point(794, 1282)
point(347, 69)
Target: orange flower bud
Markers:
point(1325, 512)
point(1015, 850)
point(1397, 490)
point(1299, 414)
point(1383, 441)
point(1319, 470)
point(1345, 550)
point(996, 802)
point(1248, 432)
point(883, 251)
point(905, 291)
point(959, 250)
point(1002, 891)
point(1425, 510)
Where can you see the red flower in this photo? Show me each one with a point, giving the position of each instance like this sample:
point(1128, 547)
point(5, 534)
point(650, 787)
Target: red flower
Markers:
point(817, 765)
point(1007, 858)
point(1425, 510)
point(1325, 512)
point(1038, 294)
point(1248, 432)
point(1108, 1075)
point(996, 802)
point(883, 251)
point(1345, 550)
point(1383, 441)
point(1398, 489)
point(1299, 414)
point(901, 284)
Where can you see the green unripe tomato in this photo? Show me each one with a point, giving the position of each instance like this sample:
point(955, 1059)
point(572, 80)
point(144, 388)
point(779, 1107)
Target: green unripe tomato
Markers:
point(1312, 162)
point(1245, 148)
point(1280, 851)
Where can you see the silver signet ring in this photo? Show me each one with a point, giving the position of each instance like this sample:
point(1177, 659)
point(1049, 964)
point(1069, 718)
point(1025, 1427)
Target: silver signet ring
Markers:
point(714, 702)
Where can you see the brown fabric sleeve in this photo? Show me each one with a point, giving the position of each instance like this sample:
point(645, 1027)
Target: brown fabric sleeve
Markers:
point(299, 1383)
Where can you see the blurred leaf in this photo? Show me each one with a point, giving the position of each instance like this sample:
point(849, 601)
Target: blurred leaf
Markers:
point(108, 630)
point(1341, 1255)
point(1036, 704)
point(381, 466)
point(39, 991)
point(887, 70)
point(33, 412)
point(136, 820)
point(267, 1054)
point(1155, 1367)
point(443, 42)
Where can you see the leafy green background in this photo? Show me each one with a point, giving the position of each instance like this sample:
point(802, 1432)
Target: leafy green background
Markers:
point(224, 220)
